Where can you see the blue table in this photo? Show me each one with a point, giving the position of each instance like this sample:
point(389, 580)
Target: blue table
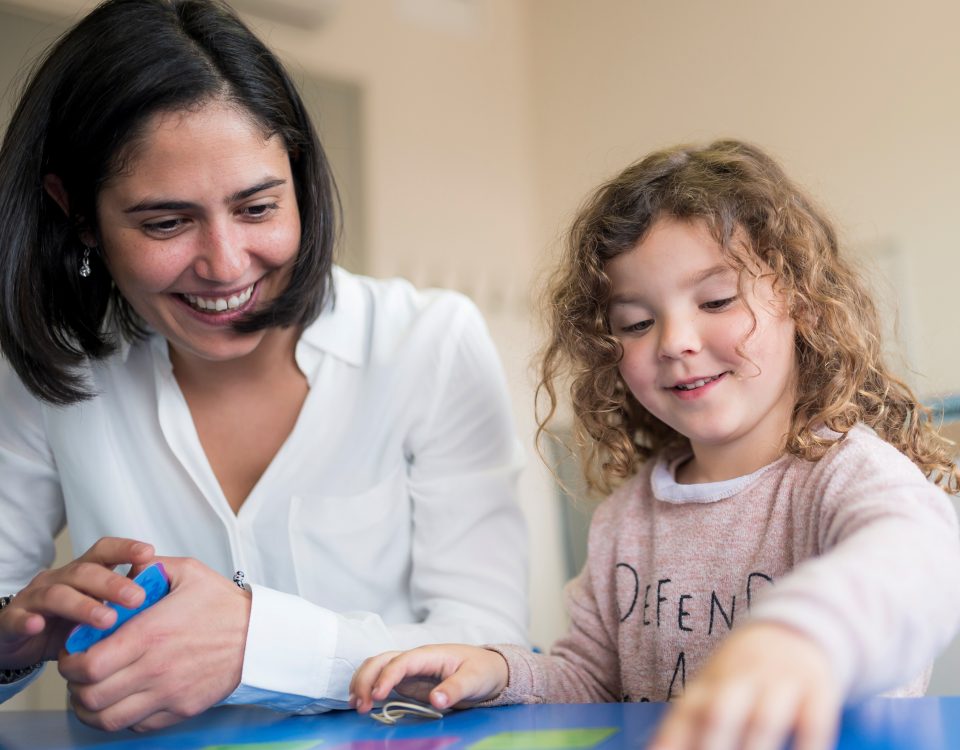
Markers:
point(880, 724)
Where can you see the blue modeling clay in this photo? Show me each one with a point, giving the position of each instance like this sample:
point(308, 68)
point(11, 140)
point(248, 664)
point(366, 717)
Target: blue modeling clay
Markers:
point(153, 580)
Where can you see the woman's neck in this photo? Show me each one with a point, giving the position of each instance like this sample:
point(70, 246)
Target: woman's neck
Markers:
point(273, 355)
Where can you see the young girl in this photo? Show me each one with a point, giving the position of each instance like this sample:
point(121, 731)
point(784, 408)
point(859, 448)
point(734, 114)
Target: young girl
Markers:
point(777, 547)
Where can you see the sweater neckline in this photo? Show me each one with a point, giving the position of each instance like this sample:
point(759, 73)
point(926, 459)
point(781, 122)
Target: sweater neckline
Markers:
point(663, 481)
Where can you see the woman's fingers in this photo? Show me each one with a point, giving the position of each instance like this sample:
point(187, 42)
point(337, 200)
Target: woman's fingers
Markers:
point(36, 622)
point(110, 551)
point(76, 593)
point(154, 671)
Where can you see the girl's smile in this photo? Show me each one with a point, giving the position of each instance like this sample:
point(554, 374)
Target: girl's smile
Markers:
point(694, 388)
point(709, 356)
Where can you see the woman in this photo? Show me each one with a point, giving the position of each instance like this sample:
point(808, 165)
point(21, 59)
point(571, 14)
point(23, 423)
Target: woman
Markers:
point(189, 378)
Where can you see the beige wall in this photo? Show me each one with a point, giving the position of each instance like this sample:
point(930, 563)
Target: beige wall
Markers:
point(858, 98)
point(485, 123)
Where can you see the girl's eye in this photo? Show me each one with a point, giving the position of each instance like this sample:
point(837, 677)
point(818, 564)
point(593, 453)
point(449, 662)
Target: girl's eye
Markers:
point(258, 210)
point(164, 227)
point(718, 304)
point(640, 327)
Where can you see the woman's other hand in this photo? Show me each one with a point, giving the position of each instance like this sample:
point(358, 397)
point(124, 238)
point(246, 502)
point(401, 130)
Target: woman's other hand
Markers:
point(170, 662)
point(34, 626)
point(444, 676)
point(764, 684)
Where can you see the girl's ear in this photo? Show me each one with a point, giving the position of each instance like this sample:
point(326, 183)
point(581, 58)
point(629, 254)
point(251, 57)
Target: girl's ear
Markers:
point(55, 189)
point(803, 314)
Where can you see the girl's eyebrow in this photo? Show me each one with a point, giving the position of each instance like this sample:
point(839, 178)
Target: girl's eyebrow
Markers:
point(171, 205)
point(692, 280)
point(699, 277)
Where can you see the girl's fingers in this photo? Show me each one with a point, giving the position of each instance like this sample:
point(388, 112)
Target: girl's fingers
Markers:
point(445, 675)
point(817, 722)
point(710, 717)
point(676, 731)
point(772, 721)
point(463, 686)
point(415, 663)
point(480, 675)
point(364, 678)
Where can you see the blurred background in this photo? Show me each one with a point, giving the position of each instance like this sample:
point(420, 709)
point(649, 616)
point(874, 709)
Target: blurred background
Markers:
point(465, 133)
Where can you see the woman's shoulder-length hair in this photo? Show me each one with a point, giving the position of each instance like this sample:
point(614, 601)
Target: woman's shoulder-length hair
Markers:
point(79, 117)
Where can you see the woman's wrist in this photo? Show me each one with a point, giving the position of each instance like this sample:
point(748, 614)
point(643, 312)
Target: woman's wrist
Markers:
point(15, 674)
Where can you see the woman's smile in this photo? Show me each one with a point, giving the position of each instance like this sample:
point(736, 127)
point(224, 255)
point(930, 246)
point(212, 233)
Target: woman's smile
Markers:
point(202, 228)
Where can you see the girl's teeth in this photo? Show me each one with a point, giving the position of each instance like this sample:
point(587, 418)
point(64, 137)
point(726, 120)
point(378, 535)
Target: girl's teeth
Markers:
point(696, 384)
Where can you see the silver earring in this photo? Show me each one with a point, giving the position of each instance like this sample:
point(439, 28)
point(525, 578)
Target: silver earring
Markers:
point(85, 269)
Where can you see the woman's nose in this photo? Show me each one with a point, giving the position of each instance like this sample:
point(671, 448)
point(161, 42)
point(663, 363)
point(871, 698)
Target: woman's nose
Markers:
point(223, 256)
point(678, 337)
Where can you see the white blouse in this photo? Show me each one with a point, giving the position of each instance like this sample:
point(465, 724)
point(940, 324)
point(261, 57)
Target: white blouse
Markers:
point(387, 519)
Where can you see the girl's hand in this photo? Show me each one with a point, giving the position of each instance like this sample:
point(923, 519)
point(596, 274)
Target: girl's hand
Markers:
point(765, 682)
point(443, 676)
point(172, 661)
point(34, 626)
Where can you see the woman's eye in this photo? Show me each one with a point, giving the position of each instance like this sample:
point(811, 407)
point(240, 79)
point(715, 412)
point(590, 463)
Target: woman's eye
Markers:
point(718, 304)
point(164, 226)
point(259, 210)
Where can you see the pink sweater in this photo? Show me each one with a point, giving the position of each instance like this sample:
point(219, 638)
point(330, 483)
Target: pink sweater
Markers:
point(858, 550)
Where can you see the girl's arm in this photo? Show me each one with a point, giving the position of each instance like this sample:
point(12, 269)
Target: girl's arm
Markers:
point(880, 593)
point(583, 666)
point(868, 611)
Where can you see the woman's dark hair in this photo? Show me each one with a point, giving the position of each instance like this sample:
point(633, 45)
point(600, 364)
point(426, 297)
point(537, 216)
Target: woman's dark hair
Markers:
point(79, 117)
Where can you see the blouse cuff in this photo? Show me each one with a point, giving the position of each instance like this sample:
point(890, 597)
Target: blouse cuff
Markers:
point(11, 689)
point(288, 656)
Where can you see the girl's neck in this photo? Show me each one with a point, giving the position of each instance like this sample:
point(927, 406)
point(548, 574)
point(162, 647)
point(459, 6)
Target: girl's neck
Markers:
point(717, 464)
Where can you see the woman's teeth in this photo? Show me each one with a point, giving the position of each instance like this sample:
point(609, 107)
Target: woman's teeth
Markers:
point(220, 304)
point(696, 384)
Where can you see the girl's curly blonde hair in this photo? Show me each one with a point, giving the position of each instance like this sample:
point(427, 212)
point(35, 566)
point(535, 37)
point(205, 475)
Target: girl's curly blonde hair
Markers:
point(751, 209)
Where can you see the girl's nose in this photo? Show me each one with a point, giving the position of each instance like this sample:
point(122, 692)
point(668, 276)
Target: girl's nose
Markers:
point(223, 256)
point(678, 338)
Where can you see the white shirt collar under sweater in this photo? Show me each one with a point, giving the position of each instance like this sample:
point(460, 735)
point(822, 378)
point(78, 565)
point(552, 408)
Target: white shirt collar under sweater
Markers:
point(663, 482)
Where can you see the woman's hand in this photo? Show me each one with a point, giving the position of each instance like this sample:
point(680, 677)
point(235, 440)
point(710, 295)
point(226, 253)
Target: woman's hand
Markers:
point(763, 684)
point(34, 626)
point(444, 676)
point(172, 661)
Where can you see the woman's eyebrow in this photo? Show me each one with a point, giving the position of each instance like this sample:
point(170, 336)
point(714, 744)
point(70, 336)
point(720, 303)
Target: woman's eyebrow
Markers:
point(246, 193)
point(162, 204)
